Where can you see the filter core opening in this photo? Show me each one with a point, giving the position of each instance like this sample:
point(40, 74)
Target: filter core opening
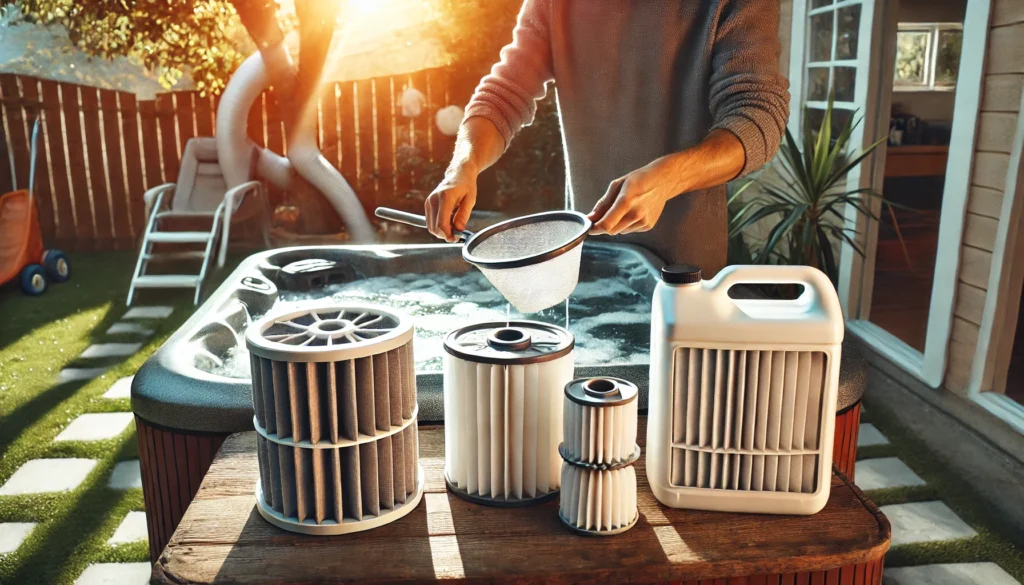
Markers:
point(509, 338)
point(600, 387)
point(332, 328)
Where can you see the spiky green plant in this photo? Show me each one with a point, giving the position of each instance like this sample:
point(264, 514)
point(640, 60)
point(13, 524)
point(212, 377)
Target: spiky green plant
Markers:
point(808, 199)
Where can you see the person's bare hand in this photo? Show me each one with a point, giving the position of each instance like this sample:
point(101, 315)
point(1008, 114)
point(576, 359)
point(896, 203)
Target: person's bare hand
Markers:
point(449, 206)
point(632, 203)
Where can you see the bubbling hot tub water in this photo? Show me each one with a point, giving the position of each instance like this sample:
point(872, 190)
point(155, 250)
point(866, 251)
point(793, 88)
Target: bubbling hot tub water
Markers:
point(609, 312)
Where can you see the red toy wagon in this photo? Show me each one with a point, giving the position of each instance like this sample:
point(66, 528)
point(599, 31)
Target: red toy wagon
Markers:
point(22, 254)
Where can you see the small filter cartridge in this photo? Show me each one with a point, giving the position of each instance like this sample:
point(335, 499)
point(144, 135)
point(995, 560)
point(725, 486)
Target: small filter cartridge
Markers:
point(598, 479)
point(503, 410)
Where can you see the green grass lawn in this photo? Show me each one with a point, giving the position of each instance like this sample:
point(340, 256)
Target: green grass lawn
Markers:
point(39, 336)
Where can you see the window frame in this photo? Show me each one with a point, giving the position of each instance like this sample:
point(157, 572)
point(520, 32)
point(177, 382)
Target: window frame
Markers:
point(934, 29)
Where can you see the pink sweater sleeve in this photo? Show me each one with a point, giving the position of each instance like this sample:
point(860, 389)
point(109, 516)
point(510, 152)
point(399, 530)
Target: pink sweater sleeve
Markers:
point(748, 95)
point(508, 95)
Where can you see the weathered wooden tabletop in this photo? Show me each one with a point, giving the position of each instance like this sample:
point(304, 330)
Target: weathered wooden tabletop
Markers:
point(223, 539)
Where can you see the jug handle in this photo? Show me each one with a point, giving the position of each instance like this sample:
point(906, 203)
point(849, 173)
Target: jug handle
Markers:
point(817, 286)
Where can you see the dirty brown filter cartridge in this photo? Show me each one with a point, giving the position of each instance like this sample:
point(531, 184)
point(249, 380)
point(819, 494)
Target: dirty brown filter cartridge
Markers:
point(334, 394)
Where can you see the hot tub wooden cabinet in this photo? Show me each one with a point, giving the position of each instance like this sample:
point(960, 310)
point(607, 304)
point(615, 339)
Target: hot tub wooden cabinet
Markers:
point(222, 539)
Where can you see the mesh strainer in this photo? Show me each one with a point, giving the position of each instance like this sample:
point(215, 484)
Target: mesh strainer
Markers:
point(533, 261)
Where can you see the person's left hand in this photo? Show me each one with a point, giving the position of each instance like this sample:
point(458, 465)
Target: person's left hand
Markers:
point(633, 203)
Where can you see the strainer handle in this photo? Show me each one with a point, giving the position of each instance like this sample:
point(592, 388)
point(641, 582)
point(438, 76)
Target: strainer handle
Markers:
point(413, 220)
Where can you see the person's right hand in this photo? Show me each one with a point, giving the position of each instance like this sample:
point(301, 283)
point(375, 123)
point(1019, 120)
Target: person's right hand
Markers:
point(451, 202)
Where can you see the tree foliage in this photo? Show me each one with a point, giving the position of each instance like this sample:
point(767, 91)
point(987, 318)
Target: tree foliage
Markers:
point(200, 37)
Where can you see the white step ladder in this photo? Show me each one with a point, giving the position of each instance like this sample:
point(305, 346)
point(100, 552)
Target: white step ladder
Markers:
point(153, 237)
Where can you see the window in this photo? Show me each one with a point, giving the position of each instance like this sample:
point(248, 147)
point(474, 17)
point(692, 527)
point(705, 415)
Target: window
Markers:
point(927, 56)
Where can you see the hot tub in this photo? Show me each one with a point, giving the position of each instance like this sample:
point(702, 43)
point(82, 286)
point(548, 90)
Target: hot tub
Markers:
point(195, 390)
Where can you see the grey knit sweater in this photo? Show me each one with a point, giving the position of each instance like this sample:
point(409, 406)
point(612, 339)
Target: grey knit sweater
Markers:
point(639, 79)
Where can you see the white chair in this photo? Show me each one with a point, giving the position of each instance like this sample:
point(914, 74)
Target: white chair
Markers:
point(200, 195)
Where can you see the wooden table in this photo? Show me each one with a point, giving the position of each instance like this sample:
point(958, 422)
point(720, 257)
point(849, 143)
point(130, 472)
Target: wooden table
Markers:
point(223, 539)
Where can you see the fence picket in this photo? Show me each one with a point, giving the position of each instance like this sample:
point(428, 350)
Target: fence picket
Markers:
point(329, 125)
point(404, 141)
point(53, 124)
point(12, 101)
point(441, 146)
point(133, 161)
point(347, 115)
point(42, 196)
point(185, 117)
point(6, 179)
point(367, 188)
point(203, 107)
point(169, 153)
point(124, 236)
point(77, 166)
point(97, 171)
point(150, 132)
point(275, 129)
point(385, 142)
point(255, 126)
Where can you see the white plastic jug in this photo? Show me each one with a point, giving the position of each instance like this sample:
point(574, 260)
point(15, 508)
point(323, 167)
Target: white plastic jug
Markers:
point(743, 392)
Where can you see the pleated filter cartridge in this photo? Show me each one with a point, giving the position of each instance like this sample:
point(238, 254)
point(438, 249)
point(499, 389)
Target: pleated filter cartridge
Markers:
point(503, 386)
point(334, 394)
point(598, 479)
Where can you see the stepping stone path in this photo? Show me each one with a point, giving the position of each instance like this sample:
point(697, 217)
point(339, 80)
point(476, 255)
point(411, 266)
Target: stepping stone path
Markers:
point(920, 522)
point(115, 574)
point(154, 312)
point(125, 328)
point(126, 476)
point(121, 389)
point(952, 574)
point(925, 522)
point(131, 529)
point(41, 476)
point(12, 534)
point(110, 350)
point(78, 374)
point(96, 426)
point(869, 436)
point(888, 472)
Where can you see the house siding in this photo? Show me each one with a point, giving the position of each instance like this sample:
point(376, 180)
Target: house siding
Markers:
point(997, 122)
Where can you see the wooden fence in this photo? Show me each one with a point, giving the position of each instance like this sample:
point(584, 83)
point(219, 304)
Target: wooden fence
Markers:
point(100, 149)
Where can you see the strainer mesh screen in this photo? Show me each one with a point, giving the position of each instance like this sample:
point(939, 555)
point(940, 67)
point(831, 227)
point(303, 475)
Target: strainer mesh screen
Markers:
point(538, 286)
point(525, 240)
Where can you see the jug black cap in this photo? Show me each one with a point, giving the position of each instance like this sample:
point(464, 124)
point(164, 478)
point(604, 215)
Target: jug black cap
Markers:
point(681, 274)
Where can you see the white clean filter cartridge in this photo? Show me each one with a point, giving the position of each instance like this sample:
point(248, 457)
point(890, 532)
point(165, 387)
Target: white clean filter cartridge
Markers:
point(503, 410)
point(598, 480)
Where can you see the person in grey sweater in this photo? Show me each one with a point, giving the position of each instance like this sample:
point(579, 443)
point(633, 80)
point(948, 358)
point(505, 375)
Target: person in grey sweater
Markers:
point(661, 103)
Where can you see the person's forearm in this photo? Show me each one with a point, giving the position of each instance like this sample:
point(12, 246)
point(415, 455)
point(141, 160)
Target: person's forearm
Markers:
point(716, 160)
point(478, 146)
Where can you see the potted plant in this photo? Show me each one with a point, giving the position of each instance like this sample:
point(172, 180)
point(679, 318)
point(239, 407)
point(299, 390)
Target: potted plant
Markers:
point(807, 199)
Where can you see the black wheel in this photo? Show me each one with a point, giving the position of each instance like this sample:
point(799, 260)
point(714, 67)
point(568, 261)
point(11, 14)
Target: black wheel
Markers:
point(58, 267)
point(33, 280)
